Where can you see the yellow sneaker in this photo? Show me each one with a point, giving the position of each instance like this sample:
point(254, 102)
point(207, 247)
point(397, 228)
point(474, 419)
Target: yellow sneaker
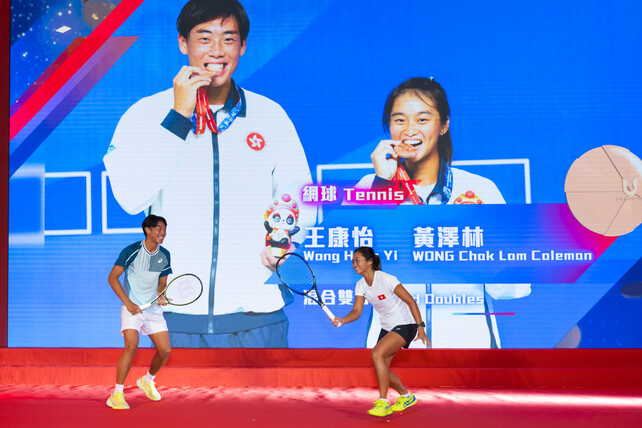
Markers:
point(149, 388)
point(117, 401)
point(403, 403)
point(381, 408)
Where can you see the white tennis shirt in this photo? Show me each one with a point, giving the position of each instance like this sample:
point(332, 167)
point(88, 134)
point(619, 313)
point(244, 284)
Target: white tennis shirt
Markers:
point(381, 295)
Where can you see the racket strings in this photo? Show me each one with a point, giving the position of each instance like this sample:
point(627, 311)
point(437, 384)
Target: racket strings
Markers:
point(296, 274)
point(183, 290)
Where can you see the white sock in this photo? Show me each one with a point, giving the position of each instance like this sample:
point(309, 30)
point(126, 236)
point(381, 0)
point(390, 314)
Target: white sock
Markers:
point(407, 395)
point(385, 399)
point(119, 388)
point(149, 377)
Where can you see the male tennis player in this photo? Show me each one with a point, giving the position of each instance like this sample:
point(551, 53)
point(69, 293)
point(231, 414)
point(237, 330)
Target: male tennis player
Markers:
point(146, 265)
point(216, 160)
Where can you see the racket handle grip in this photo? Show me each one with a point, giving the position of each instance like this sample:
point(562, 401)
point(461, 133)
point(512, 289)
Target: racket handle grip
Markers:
point(145, 306)
point(328, 312)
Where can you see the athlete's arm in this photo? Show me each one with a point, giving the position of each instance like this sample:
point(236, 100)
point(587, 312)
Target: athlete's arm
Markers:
point(113, 280)
point(150, 126)
point(267, 259)
point(186, 83)
point(162, 283)
point(384, 159)
point(292, 172)
point(403, 294)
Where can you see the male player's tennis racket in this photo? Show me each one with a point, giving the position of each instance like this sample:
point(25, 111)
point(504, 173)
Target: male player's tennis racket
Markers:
point(181, 291)
point(297, 275)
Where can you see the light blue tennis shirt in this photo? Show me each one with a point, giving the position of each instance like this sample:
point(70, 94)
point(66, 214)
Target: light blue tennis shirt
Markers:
point(142, 271)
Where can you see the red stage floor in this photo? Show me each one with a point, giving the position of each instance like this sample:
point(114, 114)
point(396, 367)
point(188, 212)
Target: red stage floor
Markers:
point(471, 368)
point(78, 406)
point(325, 387)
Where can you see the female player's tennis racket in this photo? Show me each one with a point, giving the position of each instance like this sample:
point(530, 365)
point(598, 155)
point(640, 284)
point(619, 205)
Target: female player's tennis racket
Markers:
point(181, 291)
point(297, 275)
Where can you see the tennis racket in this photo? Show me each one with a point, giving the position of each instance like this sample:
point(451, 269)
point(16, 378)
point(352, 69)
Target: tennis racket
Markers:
point(296, 274)
point(181, 291)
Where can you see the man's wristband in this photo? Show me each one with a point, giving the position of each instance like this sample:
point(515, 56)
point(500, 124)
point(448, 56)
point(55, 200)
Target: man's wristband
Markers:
point(422, 324)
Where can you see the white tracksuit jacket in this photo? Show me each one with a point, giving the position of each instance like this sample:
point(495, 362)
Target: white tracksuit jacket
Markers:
point(214, 200)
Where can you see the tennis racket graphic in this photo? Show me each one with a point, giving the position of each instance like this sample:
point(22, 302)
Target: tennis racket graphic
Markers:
point(296, 274)
point(181, 291)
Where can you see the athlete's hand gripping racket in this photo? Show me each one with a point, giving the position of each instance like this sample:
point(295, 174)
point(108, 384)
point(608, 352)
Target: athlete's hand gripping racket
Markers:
point(297, 275)
point(181, 291)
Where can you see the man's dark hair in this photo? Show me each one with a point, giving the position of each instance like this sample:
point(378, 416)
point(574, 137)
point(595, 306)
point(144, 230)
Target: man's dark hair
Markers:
point(196, 12)
point(151, 221)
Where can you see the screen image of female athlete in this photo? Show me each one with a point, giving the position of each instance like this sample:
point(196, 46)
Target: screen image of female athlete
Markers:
point(420, 150)
point(417, 157)
point(400, 321)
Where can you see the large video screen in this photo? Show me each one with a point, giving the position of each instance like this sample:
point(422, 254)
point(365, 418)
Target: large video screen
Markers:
point(489, 152)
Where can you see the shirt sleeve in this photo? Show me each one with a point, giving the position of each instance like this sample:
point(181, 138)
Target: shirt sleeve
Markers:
point(168, 268)
point(143, 154)
point(492, 194)
point(291, 172)
point(123, 257)
point(391, 282)
point(359, 289)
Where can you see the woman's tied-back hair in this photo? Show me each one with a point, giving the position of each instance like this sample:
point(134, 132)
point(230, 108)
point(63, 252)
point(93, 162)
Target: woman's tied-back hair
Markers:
point(369, 254)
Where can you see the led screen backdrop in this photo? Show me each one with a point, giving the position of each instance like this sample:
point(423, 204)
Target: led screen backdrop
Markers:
point(531, 88)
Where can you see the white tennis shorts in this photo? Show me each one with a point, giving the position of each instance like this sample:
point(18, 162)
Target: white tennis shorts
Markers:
point(149, 322)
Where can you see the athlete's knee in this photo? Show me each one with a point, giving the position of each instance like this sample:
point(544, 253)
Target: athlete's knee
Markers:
point(165, 353)
point(378, 354)
point(131, 348)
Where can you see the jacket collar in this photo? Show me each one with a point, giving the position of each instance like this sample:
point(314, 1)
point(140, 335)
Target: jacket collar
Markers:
point(236, 92)
point(444, 185)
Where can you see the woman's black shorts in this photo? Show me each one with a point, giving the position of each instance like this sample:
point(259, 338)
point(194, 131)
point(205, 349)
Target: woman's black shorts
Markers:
point(407, 331)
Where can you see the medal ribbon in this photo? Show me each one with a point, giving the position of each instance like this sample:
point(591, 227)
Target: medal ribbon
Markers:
point(205, 118)
point(404, 179)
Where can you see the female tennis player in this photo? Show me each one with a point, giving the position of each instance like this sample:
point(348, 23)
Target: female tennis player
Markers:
point(400, 321)
point(416, 157)
point(418, 154)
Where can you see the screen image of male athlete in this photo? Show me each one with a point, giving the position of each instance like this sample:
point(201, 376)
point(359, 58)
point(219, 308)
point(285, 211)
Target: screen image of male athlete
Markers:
point(215, 167)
